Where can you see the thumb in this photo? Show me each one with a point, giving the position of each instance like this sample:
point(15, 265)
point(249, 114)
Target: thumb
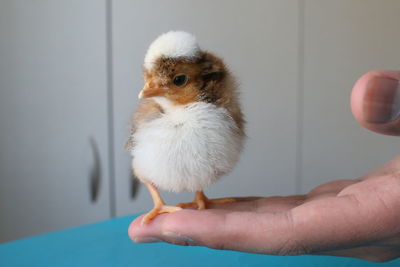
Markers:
point(375, 101)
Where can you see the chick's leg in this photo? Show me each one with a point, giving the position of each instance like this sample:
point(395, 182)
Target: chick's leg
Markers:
point(201, 201)
point(159, 205)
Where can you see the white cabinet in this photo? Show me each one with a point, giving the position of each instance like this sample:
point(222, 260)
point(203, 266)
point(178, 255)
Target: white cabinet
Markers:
point(53, 116)
point(342, 41)
point(259, 42)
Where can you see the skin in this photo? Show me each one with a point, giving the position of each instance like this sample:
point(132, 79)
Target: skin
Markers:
point(352, 218)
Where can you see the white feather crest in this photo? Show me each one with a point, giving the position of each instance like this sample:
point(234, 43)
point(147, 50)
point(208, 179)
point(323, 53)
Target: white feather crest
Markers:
point(172, 44)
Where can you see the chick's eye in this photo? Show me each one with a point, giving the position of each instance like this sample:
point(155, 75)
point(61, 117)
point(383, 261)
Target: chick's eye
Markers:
point(180, 80)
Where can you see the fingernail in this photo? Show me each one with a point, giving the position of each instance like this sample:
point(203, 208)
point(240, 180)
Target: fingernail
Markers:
point(179, 239)
point(382, 100)
point(146, 240)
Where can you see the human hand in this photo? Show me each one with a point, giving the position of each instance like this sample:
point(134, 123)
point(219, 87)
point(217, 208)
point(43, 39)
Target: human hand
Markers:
point(353, 218)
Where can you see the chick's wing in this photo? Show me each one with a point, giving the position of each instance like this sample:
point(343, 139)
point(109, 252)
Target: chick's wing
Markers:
point(147, 110)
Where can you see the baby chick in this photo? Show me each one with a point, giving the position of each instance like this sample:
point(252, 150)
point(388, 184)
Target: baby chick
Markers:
point(188, 129)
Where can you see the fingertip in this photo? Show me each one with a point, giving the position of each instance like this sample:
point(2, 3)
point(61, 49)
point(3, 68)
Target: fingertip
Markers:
point(375, 101)
point(138, 230)
point(134, 227)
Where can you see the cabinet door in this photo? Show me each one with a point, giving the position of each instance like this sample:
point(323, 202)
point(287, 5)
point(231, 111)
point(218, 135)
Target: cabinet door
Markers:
point(258, 40)
point(53, 116)
point(343, 40)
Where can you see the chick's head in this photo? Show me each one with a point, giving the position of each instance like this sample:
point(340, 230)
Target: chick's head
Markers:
point(176, 69)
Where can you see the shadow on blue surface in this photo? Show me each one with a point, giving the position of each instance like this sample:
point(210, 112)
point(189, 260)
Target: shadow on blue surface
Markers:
point(107, 244)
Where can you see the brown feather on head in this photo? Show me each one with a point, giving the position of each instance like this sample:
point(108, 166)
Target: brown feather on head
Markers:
point(183, 81)
point(213, 74)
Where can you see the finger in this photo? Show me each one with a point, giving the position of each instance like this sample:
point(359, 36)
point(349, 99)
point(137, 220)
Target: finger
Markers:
point(375, 101)
point(220, 229)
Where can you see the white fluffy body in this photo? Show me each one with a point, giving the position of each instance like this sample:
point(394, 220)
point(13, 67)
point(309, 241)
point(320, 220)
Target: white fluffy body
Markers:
point(187, 148)
point(172, 44)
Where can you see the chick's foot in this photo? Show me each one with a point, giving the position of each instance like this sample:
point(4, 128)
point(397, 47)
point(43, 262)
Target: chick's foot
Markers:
point(158, 210)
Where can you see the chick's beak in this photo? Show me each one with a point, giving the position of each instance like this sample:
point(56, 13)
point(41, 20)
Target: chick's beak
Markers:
point(147, 92)
point(140, 96)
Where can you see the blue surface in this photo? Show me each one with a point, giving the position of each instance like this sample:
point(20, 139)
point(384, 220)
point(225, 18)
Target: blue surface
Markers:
point(107, 244)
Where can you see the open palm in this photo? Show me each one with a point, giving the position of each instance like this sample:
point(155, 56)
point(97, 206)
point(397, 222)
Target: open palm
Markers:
point(355, 218)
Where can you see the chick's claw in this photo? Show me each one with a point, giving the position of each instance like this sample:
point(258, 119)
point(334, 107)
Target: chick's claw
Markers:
point(158, 210)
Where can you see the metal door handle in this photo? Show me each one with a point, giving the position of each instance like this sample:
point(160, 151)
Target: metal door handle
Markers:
point(95, 171)
point(135, 184)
